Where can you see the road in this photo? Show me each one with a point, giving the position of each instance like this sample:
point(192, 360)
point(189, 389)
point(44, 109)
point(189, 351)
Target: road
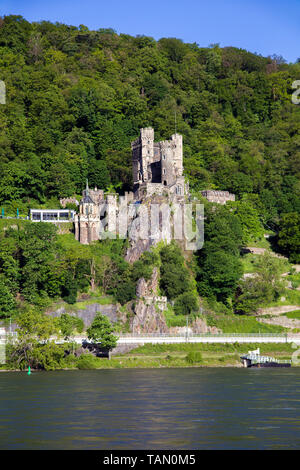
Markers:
point(222, 338)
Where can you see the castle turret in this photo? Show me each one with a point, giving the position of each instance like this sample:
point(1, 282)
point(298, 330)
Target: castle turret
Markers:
point(142, 155)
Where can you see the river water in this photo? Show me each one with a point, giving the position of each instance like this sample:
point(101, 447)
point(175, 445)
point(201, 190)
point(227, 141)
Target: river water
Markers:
point(196, 408)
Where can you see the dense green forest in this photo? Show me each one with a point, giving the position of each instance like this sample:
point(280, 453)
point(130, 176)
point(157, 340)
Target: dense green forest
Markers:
point(77, 98)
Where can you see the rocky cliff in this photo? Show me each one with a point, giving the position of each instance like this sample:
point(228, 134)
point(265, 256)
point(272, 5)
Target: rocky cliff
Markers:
point(148, 309)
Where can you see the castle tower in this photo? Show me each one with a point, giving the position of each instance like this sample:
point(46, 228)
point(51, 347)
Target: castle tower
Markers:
point(157, 166)
point(177, 154)
point(87, 222)
point(87, 204)
point(142, 155)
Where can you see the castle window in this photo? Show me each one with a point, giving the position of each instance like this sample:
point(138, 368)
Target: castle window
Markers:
point(164, 171)
point(165, 183)
point(164, 157)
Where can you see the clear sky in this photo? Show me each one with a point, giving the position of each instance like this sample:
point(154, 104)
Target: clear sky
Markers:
point(263, 26)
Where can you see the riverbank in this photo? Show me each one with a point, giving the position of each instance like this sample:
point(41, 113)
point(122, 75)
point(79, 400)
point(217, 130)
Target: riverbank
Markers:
point(151, 356)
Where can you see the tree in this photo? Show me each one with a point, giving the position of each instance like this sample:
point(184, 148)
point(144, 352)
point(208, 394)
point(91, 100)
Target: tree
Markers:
point(101, 331)
point(265, 286)
point(289, 236)
point(68, 324)
point(7, 301)
point(175, 279)
point(186, 303)
point(249, 219)
point(219, 274)
point(33, 347)
point(218, 265)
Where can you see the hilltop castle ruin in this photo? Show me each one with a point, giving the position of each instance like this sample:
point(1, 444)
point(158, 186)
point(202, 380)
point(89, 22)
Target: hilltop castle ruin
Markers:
point(157, 174)
point(157, 166)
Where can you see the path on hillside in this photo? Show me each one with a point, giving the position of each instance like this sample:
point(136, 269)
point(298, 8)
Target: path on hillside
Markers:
point(260, 251)
point(277, 310)
point(281, 321)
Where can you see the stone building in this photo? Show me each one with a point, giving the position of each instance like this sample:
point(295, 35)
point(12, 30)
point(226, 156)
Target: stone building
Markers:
point(157, 166)
point(219, 197)
point(157, 176)
point(97, 213)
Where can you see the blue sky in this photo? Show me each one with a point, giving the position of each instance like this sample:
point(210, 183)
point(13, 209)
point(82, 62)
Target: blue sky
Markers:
point(263, 26)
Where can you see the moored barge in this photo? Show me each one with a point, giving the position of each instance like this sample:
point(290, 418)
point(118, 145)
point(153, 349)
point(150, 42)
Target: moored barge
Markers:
point(254, 359)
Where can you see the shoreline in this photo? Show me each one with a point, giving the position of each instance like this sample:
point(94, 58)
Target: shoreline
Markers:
point(197, 366)
point(167, 356)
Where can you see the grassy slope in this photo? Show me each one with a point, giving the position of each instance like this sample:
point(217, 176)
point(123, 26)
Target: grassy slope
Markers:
point(174, 355)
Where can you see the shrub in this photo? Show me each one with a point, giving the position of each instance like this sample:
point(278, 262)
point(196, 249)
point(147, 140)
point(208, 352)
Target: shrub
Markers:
point(88, 361)
point(186, 303)
point(194, 357)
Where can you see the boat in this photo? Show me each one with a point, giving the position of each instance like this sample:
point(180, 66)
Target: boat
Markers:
point(254, 359)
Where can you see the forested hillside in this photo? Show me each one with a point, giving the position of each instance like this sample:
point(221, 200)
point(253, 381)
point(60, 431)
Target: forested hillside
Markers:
point(77, 98)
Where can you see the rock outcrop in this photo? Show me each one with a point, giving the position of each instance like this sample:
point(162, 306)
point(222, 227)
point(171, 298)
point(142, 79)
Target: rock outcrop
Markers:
point(148, 316)
point(198, 326)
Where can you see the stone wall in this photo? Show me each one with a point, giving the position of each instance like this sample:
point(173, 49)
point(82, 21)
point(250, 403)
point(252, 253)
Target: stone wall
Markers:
point(219, 197)
point(88, 313)
point(68, 200)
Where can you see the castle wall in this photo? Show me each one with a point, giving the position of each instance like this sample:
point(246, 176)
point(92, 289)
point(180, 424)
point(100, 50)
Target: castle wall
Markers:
point(219, 197)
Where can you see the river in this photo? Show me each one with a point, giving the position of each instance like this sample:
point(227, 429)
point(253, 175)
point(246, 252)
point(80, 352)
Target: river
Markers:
point(196, 408)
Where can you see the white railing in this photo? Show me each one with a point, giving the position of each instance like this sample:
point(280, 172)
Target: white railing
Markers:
point(201, 335)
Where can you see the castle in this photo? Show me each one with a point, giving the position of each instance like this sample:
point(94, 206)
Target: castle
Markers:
point(157, 172)
point(157, 166)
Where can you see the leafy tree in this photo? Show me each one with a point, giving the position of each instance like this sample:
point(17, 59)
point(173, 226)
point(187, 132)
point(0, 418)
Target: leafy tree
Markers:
point(186, 303)
point(7, 301)
point(218, 265)
point(289, 236)
point(68, 324)
point(101, 331)
point(34, 346)
point(219, 275)
point(250, 222)
point(174, 276)
point(264, 287)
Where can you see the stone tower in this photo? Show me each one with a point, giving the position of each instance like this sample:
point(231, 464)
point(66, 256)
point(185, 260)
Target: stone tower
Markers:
point(157, 166)
point(87, 222)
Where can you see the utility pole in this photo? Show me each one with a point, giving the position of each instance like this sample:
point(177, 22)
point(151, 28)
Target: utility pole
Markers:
point(187, 328)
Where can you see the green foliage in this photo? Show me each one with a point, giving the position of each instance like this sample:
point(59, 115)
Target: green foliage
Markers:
point(241, 324)
point(294, 314)
point(69, 324)
point(34, 347)
point(7, 301)
point(194, 357)
point(77, 98)
point(264, 287)
point(218, 265)
point(250, 222)
point(175, 279)
point(88, 361)
point(289, 236)
point(186, 303)
point(101, 331)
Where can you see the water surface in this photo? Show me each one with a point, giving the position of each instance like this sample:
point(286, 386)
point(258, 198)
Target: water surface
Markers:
point(196, 408)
